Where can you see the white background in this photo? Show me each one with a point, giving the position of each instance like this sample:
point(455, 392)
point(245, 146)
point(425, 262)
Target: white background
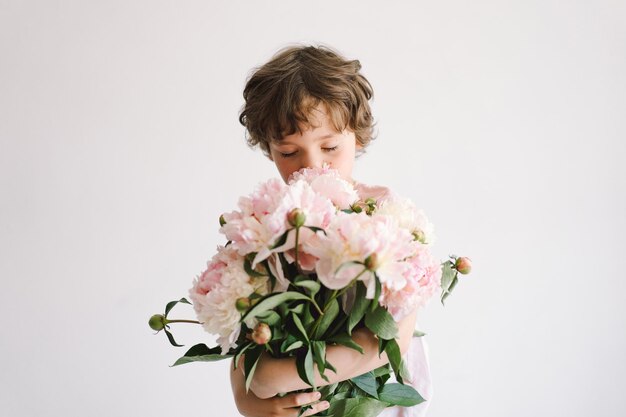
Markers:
point(120, 147)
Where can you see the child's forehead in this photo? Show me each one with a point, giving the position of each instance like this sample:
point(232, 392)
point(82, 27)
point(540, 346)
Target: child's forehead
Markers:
point(309, 116)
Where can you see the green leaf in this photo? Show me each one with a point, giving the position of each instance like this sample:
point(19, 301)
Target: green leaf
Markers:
point(356, 407)
point(300, 327)
point(367, 382)
point(304, 366)
point(330, 313)
point(395, 358)
point(399, 394)
point(417, 333)
point(171, 338)
point(201, 353)
point(452, 286)
point(171, 304)
point(382, 370)
point(381, 323)
point(316, 229)
point(345, 340)
point(298, 309)
point(271, 301)
point(331, 367)
point(247, 266)
point(448, 280)
point(241, 352)
point(281, 240)
point(249, 364)
point(319, 356)
point(359, 308)
point(271, 318)
point(295, 345)
point(311, 285)
point(382, 343)
point(377, 292)
point(271, 276)
point(328, 389)
point(307, 317)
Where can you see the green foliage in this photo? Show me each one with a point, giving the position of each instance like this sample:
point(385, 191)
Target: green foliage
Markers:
point(360, 306)
point(330, 313)
point(304, 365)
point(201, 353)
point(272, 301)
point(399, 394)
point(381, 323)
point(449, 280)
point(367, 382)
point(356, 407)
point(171, 304)
point(249, 364)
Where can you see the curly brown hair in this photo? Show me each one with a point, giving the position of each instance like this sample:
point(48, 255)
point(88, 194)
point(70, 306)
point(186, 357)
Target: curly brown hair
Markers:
point(280, 95)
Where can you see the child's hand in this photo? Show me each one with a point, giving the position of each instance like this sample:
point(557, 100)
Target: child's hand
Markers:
point(249, 405)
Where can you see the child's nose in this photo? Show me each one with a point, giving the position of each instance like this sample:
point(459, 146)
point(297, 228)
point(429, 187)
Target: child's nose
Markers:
point(312, 161)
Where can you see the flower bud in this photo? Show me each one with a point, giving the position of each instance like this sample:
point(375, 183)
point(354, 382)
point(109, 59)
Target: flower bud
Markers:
point(370, 201)
point(371, 262)
point(222, 221)
point(296, 217)
point(261, 334)
point(157, 322)
point(242, 304)
point(463, 265)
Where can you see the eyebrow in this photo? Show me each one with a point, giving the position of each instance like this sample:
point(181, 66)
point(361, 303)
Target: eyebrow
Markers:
point(283, 142)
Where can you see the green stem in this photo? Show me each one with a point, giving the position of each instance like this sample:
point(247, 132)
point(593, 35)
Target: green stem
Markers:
point(333, 296)
point(168, 321)
point(297, 237)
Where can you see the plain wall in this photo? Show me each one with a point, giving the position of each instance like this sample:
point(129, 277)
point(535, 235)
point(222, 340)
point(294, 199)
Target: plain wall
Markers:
point(120, 147)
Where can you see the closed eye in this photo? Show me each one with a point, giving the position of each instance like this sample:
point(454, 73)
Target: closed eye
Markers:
point(334, 148)
point(287, 155)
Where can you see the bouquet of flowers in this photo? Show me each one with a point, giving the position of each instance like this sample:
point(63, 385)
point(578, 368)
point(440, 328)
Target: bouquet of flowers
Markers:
point(306, 264)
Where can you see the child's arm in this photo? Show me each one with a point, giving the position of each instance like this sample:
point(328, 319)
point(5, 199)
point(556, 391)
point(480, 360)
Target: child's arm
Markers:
point(273, 376)
point(249, 405)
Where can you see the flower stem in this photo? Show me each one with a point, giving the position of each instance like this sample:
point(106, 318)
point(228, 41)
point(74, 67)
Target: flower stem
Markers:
point(296, 248)
point(168, 321)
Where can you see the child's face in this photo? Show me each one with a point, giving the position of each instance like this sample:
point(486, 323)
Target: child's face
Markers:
point(314, 147)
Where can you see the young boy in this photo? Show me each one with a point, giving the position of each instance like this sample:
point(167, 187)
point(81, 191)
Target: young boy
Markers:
point(307, 107)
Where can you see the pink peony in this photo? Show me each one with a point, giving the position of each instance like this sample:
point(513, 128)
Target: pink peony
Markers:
point(328, 183)
point(216, 291)
point(423, 279)
point(350, 240)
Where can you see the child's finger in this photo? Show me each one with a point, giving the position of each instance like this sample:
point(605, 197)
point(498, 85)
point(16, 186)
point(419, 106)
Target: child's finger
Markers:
point(316, 408)
point(298, 400)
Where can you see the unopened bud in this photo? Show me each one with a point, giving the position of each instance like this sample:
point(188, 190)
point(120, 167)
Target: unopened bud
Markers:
point(242, 304)
point(157, 322)
point(222, 220)
point(371, 262)
point(370, 201)
point(356, 208)
point(261, 334)
point(463, 265)
point(296, 217)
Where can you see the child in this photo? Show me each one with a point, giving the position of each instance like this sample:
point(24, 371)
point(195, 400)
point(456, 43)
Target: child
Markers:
point(308, 107)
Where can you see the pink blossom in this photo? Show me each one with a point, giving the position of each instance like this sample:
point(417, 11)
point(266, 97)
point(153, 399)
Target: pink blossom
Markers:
point(216, 291)
point(350, 240)
point(328, 183)
point(423, 279)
